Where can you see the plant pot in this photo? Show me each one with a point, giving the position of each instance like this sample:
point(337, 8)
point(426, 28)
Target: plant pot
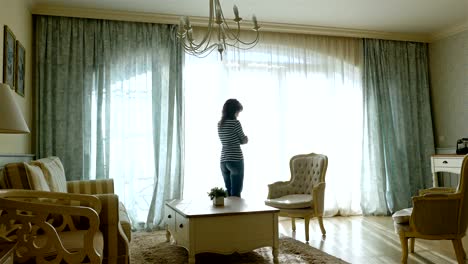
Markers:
point(218, 201)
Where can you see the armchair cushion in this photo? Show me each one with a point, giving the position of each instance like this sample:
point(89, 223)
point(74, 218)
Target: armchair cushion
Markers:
point(54, 173)
point(36, 178)
point(15, 176)
point(402, 216)
point(72, 241)
point(292, 201)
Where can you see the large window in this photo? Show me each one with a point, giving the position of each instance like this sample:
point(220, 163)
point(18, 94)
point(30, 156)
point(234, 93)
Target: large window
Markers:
point(300, 94)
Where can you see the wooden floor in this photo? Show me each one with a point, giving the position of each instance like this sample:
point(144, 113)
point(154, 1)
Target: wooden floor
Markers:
point(368, 239)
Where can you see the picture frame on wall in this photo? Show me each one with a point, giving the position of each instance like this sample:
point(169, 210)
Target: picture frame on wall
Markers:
point(9, 52)
point(20, 65)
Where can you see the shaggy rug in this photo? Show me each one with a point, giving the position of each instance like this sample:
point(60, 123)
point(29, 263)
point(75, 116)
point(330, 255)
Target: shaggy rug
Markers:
point(151, 247)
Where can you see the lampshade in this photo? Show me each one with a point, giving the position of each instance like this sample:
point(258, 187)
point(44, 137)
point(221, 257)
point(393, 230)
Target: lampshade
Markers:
point(11, 118)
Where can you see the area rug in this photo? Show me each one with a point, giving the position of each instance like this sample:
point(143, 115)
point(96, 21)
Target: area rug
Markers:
point(151, 247)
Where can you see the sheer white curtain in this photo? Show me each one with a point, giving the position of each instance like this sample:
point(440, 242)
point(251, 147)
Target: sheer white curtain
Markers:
point(300, 94)
point(131, 159)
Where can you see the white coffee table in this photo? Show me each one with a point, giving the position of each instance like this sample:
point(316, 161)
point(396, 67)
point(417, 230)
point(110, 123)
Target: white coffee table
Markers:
point(238, 226)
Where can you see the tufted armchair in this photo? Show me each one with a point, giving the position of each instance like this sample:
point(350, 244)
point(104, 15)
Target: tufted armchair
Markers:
point(303, 196)
point(437, 214)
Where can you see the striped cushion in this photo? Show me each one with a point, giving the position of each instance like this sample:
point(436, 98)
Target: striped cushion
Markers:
point(91, 186)
point(16, 176)
point(54, 173)
point(36, 177)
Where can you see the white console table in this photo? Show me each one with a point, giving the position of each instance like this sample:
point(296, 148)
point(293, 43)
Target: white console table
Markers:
point(445, 163)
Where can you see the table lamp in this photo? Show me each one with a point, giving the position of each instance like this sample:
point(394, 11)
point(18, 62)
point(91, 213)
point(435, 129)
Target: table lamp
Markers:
point(11, 117)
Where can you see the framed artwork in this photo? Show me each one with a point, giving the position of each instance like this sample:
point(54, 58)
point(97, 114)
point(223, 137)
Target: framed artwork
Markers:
point(20, 65)
point(9, 44)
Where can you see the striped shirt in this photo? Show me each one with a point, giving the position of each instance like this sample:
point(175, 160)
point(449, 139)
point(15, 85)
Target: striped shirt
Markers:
point(231, 136)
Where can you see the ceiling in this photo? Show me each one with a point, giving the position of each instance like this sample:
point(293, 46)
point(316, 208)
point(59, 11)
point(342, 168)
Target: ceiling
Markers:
point(399, 16)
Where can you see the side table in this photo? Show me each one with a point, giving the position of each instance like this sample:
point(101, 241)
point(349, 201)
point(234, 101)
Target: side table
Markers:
point(7, 251)
point(445, 163)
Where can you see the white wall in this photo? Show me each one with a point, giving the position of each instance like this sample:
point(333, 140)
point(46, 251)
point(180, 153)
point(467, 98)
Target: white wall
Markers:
point(449, 88)
point(17, 16)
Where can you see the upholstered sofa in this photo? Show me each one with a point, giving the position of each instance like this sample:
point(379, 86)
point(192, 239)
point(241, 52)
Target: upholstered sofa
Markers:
point(48, 174)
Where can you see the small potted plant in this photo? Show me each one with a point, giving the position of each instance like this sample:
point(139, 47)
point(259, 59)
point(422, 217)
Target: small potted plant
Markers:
point(217, 195)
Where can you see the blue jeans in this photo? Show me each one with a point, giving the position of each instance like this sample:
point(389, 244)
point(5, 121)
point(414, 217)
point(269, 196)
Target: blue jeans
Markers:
point(233, 174)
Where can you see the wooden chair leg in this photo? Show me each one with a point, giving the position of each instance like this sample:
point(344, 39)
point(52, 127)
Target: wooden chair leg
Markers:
point(412, 241)
point(293, 224)
point(404, 249)
point(306, 224)
point(459, 251)
point(320, 220)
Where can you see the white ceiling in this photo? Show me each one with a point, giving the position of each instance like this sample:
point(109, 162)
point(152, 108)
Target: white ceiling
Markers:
point(402, 16)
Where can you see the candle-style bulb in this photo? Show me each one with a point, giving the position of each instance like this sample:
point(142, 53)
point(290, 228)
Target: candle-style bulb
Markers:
point(236, 14)
point(181, 26)
point(236, 11)
point(187, 23)
point(254, 20)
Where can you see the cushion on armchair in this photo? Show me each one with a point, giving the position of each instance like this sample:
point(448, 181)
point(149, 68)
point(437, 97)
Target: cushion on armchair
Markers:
point(15, 177)
point(292, 201)
point(36, 177)
point(402, 216)
point(53, 172)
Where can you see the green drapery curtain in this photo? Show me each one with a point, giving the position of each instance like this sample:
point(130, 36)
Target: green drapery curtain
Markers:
point(92, 78)
point(398, 134)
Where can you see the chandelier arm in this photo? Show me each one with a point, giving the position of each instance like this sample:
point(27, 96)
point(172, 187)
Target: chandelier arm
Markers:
point(236, 37)
point(195, 49)
point(196, 46)
point(191, 45)
point(203, 53)
point(242, 47)
point(227, 29)
point(232, 36)
point(247, 43)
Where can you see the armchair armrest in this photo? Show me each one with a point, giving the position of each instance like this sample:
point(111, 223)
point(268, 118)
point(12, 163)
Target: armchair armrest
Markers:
point(110, 208)
point(435, 214)
point(318, 194)
point(278, 189)
point(91, 186)
point(114, 235)
point(27, 217)
point(53, 198)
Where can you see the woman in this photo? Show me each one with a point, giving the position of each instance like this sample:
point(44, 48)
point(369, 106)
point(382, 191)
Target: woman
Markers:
point(231, 136)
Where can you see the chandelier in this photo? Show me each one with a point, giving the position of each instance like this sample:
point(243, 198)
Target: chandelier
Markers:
point(219, 34)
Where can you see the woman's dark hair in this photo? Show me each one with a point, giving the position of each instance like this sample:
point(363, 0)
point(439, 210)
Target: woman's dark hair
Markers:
point(230, 108)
